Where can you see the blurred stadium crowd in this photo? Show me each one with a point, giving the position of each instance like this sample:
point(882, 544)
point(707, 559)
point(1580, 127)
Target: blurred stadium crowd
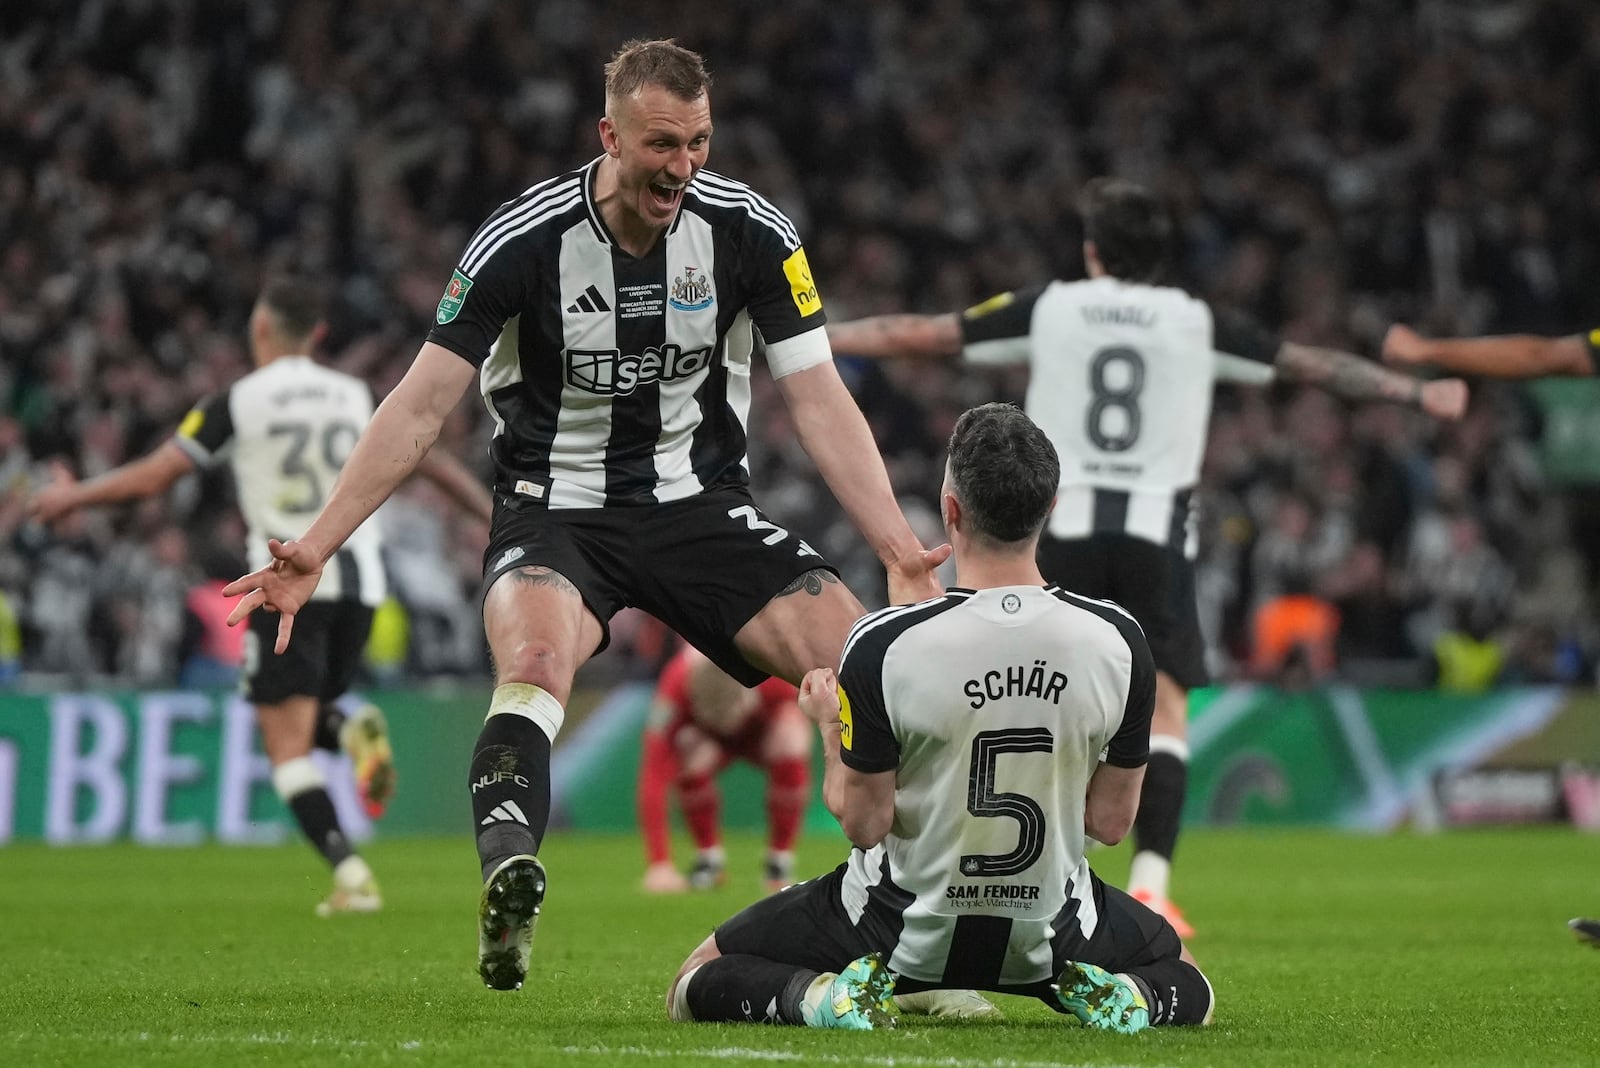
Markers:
point(1335, 165)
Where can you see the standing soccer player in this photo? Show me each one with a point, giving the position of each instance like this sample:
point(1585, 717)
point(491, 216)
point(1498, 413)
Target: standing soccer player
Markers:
point(701, 720)
point(286, 428)
point(963, 740)
point(609, 316)
point(1121, 377)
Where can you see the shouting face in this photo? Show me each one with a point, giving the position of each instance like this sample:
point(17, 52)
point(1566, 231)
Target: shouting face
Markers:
point(659, 141)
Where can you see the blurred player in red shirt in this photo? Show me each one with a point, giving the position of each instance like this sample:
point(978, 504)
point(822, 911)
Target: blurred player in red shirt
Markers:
point(701, 720)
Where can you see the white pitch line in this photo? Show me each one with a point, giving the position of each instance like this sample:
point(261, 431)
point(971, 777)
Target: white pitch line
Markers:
point(728, 1053)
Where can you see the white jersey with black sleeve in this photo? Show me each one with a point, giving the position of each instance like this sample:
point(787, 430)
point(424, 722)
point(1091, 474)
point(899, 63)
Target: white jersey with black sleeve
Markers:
point(1121, 378)
point(286, 430)
point(994, 708)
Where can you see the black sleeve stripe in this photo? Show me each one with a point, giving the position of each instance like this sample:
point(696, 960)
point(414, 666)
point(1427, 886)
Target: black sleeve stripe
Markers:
point(494, 235)
point(1001, 317)
point(875, 747)
point(1130, 746)
point(883, 616)
point(460, 348)
point(717, 189)
point(1110, 611)
point(1238, 334)
point(532, 200)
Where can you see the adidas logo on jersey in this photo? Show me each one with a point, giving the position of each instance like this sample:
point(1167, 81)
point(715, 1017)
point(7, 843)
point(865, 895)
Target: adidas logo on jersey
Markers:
point(589, 300)
point(505, 812)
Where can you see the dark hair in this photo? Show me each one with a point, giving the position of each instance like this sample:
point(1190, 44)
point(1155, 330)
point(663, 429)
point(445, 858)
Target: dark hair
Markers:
point(639, 63)
point(1128, 227)
point(1004, 472)
point(297, 304)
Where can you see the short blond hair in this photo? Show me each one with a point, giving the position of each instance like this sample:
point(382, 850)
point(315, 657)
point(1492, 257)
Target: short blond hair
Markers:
point(663, 63)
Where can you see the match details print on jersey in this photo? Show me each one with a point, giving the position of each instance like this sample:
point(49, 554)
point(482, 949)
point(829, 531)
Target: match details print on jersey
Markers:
point(614, 379)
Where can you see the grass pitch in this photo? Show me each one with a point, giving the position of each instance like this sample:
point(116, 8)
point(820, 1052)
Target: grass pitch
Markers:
point(1324, 949)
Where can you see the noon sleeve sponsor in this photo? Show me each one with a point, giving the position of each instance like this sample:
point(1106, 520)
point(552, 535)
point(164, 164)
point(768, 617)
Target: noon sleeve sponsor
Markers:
point(866, 740)
point(996, 330)
point(783, 297)
point(206, 430)
point(1594, 349)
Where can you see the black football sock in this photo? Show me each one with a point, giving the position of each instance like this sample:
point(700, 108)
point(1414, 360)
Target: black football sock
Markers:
point(313, 811)
point(510, 779)
point(741, 988)
point(300, 784)
point(1155, 828)
point(1175, 991)
point(325, 735)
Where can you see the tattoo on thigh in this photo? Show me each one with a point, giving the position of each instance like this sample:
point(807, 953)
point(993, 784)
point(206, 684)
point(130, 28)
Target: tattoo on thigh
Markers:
point(534, 575)
point(811, 582)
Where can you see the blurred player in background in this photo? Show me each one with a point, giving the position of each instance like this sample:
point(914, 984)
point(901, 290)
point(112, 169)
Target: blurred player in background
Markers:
point(608, 315)
point(973, 743)
point(1121, 376)
point(1505, 356)
point(701, 720)
point(286, 429)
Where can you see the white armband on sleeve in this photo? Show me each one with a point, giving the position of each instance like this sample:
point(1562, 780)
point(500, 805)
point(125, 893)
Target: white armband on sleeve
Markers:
point(799, 352)
point(1231, 368)
point(997, 352)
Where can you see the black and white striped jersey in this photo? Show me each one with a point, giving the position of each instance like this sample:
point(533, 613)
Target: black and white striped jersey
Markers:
point(993, 708)
point(1120, 378)
point(286, 429)
point(616, 380)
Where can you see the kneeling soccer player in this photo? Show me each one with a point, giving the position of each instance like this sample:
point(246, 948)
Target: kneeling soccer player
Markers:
point(963, 740)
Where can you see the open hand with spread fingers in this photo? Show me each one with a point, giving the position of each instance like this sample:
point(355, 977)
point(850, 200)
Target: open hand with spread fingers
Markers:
point(283, 586)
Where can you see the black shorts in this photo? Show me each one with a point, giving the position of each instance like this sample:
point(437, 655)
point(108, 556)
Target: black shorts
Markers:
point(323, 656)
point(1153, 582)
point(704, 565)
point(807, 926)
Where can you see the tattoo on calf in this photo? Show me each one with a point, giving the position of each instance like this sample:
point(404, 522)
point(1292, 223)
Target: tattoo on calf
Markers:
point(534, 575)
point(811, 582)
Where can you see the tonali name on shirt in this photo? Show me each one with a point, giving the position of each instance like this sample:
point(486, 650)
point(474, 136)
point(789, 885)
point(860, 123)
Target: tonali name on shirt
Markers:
point(1017, 681)
point(1118, 315)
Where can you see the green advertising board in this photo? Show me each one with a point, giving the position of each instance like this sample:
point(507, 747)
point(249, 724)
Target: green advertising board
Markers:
point(1569, 443)
point(176, 768)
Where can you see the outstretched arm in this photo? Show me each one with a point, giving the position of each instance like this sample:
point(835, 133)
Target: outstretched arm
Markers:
point(839, 442)
point(1506, 356)
point(879, 337)
point(1348, 375)
point(402, 431)
point(144, 477)
point(400, 434)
